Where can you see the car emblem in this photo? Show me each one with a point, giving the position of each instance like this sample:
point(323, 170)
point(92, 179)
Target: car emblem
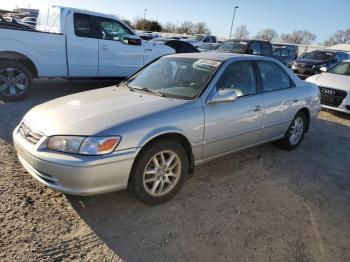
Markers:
point(327, 91)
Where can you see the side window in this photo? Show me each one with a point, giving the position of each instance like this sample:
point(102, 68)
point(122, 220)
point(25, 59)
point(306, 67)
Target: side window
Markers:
point(239, 76)
point(277, 52)
point(255, 48)
point(336, 58)
point(285, 52)
point(82, 25)
point(265, 49)
point(206, 39)
point(213, 39)
point(273, 76)
point(112, 30)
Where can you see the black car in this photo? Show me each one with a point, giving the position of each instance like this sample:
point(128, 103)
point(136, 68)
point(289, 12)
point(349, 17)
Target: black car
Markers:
point(253, 47)
point(310, 63)
point(285, 55)
point(293, 48)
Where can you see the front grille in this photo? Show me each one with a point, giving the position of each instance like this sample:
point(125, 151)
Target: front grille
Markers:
point(306, 66)
point(28, 134)
point(331, 96)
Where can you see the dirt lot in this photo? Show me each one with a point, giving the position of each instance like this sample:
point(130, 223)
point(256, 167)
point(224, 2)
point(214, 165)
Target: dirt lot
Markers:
point(262, 204)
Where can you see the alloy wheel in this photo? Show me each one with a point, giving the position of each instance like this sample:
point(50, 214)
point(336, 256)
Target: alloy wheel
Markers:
point(296, 130)
point(162, 173)
point(13, 82)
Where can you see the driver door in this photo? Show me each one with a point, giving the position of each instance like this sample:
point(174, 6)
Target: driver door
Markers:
point(117, 56)
point(233, 125)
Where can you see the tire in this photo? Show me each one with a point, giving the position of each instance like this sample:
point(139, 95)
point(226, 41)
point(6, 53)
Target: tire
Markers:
point(296, 130)
point(15, 81)
point(146, 169)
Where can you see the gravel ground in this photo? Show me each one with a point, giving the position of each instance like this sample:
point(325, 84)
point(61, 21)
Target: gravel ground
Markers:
point(262, 204)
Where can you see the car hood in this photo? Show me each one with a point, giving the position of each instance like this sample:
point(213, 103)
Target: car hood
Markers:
point(341, 82)
point(312, 61)
point(91, 112)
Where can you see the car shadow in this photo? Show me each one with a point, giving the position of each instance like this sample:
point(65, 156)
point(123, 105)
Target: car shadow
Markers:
point(43, 90)
point(230, 208)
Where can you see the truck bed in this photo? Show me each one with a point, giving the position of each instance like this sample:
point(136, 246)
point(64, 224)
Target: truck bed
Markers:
point(46, 50)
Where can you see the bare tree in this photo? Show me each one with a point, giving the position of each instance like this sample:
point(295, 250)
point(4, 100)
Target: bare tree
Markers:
point(186, 27)
point(267, 34)
point(340, 37)
point(302, 37)
point(170, 27)
point(201, 28)
point(241, 32)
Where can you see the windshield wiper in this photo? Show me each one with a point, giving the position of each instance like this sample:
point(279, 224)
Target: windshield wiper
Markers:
point(147, 90)
point(125, 83)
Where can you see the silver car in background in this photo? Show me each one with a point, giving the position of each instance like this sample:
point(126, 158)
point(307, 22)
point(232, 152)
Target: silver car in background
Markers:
point(149, 132)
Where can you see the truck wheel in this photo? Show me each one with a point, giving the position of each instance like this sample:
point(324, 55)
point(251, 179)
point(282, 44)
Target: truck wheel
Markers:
point(15, 80)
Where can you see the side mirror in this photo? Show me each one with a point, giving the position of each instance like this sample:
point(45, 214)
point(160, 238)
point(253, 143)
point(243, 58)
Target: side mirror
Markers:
point(223, 95)
point(323, 69)
point(132, 40)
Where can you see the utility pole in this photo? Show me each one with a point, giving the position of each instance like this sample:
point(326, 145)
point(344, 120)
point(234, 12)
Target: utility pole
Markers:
point(144, 19)
point(233, 19)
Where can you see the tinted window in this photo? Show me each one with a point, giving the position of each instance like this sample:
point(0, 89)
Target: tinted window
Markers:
point(234, 46)
point(213, 39)
point(239, 76)
point(319, 55)
point(285, 52)
point(206, 39)
point(254, 48)
point(113, 30)
point(273, 76)
point(82, 25)
point(265, 49)
point(277, 52)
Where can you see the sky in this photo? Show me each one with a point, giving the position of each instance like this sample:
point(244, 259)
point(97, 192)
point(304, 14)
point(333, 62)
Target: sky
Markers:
point(321, 17)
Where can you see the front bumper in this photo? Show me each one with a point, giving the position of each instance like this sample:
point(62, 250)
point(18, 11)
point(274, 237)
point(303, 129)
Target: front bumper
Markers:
point(73, 174)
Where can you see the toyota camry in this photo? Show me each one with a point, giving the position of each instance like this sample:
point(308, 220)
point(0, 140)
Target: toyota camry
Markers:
point(149, 132)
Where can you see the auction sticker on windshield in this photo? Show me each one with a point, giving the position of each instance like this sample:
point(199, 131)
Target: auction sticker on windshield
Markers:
point(207, 62)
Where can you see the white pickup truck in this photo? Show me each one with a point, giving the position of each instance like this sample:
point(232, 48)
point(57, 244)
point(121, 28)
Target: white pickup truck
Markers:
point(71, 43)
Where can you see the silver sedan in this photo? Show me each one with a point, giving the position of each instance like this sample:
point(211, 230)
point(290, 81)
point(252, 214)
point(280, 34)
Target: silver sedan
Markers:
point(150, 132)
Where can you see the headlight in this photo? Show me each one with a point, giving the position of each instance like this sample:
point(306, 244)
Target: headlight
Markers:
point(83, 145)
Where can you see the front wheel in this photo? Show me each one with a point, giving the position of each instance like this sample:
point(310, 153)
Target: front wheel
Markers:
point(15, 80)
point(295, 132)
point(159, 172)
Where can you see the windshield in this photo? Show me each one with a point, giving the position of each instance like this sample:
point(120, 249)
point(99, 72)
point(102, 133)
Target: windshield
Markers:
point(175, 77)
point(234, 46)
point(341, 69)
point(196, 37)
point(319, 55)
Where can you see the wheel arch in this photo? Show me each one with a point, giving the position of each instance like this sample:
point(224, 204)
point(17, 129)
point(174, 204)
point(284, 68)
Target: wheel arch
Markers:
point(171, 135)
point(20, 58)
point(306, 112)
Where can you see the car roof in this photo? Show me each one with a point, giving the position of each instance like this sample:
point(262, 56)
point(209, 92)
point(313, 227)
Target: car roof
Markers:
point(247, 40)
point(216, 55)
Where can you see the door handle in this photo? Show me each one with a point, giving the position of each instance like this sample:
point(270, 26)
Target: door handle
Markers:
point(292, 101)
point(257, 109)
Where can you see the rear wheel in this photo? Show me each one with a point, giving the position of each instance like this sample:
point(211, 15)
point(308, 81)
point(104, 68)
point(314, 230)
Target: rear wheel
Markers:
point(160, 172)
point(15, 80)
point(295, 132)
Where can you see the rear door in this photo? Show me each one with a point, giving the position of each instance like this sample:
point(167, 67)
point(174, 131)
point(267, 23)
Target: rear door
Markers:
point(82, 46)
point(281, 101)
point(117, 56)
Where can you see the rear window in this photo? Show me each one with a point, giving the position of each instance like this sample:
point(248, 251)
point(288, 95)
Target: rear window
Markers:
point(82, 25)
